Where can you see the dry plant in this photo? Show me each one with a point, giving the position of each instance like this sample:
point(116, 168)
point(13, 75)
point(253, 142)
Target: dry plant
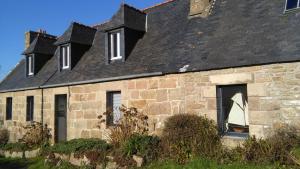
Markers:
point(36, 134)
point(131, 122)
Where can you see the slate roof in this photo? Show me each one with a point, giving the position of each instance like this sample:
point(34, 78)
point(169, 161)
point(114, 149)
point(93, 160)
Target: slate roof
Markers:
point(77, 33)
point(237, 33)
point(41, 45)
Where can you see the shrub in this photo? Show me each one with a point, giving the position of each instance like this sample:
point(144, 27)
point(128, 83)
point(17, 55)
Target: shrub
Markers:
point(276, 148)
point(79, 146)
point(185, 136)
point(94, 149)
point(4, 136)
point(131, 122)
point(16, 147)
point(36, 134)
point(142, 145)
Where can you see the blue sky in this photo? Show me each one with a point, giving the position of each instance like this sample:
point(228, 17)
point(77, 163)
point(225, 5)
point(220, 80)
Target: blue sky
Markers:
point(54, 16)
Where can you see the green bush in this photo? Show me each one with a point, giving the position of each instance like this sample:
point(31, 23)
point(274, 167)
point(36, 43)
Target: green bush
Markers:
point(16, 147)
point(142, 145)
point(79, 146)
point(4, 136)
point(185, 136)
point(274, 149)
point(94, 149)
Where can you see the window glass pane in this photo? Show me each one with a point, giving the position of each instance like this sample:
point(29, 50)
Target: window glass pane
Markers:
point(113, 107)
point(31, 65)
point(65, 54)
point(118, 45)
point(8, 108)
point(291, 4)
point(111, 45)
point(30, 108)
point(115, 45)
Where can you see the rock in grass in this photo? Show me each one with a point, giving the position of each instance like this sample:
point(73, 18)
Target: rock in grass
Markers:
point(139, 160)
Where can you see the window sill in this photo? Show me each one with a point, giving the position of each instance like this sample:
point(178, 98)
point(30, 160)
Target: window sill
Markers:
point(287, 11)
point(64, 68)
point(233, 135)
point(116, 58)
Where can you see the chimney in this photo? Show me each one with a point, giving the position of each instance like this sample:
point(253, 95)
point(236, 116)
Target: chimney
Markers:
point(31, 35)
point(200, 8)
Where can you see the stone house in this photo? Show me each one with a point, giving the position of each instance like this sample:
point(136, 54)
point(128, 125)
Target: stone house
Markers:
point(236, 62)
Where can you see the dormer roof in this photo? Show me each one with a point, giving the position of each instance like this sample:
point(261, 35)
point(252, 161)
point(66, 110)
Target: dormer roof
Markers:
point(41, 45)
point(77, 33)
point(129, 17)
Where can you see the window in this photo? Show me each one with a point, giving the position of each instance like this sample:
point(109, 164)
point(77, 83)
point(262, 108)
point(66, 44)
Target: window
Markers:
point(29, 108)
point(292, 4)
point(65, 56)
point(115, 46)
point(30, 65)
point(233, 110)
point(8, 108)
point(113, 107)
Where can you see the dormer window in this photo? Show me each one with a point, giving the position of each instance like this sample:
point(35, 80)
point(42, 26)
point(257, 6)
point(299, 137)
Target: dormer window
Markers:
point(115, 45)
point(30, 65)
point(65, 56)
point(292, 4)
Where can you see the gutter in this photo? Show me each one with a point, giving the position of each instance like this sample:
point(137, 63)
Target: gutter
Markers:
point(88, 81)
point(104, 80)
point(20, 89)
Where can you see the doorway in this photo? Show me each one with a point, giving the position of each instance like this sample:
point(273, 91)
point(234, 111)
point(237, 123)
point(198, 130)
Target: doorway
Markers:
point(60, 118)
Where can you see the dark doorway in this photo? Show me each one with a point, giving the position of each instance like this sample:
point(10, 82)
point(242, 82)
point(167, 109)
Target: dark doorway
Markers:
point(60, 118)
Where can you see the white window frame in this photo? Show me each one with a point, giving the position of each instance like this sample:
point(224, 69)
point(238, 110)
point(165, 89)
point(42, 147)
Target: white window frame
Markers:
point(30, 65)
point(65, 60)
point(298, 6)
point(112, 45)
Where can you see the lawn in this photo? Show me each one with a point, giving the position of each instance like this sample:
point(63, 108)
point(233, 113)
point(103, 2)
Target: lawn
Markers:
point(194, 164)
point(208, 164)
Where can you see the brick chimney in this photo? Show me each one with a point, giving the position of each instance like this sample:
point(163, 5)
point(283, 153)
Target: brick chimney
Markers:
point(31, 35)
point(200, 8)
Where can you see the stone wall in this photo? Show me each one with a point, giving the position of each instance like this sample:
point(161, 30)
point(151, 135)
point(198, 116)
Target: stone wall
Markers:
point(273, 98)
point(15, 126)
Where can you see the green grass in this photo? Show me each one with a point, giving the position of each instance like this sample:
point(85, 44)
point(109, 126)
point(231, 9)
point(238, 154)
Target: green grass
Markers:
point(296, 152)
point(207, 164)
point(36, 163)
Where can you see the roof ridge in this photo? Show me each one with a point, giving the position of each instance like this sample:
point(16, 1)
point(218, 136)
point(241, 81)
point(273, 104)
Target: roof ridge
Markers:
point(157, 5)
point(99, 24)
point(47, 36)
point(139, 10)
point(134, 8)
point(83, 25)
